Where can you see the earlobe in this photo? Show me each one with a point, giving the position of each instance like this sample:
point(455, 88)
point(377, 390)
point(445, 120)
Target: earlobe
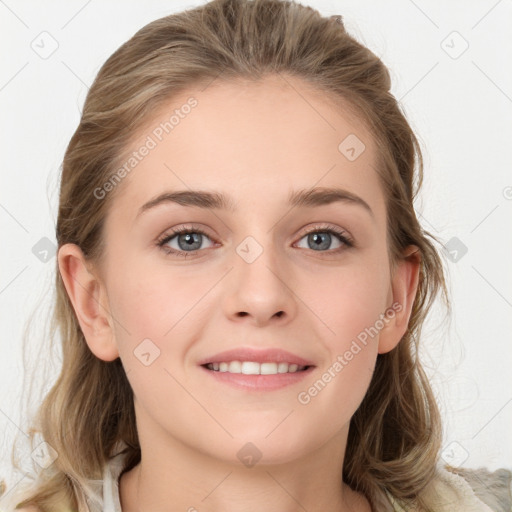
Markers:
point(404, 285)
point(87, 295)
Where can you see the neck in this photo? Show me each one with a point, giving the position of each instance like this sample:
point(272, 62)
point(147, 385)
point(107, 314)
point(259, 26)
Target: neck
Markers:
point(173, 473)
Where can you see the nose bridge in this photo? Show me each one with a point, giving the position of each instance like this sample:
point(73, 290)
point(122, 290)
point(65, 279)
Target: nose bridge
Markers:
point(257, 259)
point(258, 242)
point(260, 286)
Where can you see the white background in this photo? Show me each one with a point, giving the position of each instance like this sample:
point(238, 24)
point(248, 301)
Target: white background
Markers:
point(458, 103)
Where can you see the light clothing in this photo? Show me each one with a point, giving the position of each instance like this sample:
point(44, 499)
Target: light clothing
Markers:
point(449, 492)
point(488, 492)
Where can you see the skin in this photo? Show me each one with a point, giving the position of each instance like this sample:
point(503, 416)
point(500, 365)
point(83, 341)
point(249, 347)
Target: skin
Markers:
point(255, 142)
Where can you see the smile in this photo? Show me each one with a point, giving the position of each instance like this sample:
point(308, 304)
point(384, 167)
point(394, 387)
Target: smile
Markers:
point(254, 368)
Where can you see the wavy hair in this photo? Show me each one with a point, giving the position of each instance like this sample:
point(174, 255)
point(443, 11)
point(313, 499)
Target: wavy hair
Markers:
point(395, 434)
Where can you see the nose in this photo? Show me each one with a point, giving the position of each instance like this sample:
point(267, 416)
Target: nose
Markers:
point(260, 291)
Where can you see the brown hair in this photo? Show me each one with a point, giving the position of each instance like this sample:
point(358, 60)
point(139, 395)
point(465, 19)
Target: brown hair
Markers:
point(395, 434)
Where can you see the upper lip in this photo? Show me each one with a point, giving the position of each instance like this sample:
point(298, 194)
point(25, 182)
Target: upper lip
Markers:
point(269, 355)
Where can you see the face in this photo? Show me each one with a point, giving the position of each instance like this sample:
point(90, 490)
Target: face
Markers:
point(268, 280)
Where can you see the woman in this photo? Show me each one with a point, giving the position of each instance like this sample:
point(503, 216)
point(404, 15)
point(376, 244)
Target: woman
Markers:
point(242, 279)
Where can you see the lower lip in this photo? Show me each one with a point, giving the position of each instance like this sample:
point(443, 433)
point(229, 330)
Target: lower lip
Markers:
point(259, 382)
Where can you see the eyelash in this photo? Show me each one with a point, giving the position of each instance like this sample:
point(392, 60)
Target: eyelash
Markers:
point(167, 237)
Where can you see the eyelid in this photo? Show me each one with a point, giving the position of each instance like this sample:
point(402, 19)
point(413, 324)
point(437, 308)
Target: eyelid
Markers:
point(185, 228)
point(343, 236)
point(342, 233)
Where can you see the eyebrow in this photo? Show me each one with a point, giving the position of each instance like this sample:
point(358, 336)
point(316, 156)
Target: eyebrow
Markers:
point(319, 196)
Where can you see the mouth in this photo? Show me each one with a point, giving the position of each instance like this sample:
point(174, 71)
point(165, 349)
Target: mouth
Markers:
point(255, 368)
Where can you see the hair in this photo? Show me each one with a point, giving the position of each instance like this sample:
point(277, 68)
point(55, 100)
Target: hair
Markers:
point(395, 434)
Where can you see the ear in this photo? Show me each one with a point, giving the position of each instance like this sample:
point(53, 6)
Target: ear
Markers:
point(404, 284)
point(89, 299)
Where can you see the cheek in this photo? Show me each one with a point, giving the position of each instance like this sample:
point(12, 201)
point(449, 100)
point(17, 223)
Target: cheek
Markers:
point(348, 301)
point(153, 329)
point(153, 313)
point(151, 301)
point(350, 306)
point(351, 348)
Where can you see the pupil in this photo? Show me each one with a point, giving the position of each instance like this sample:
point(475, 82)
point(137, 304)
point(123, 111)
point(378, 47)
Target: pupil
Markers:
point(189, 239)
point(317, 237)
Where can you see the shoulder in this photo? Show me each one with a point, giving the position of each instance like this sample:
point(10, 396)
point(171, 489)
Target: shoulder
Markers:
point(464, 490)
point(494, 488)
point(10, 500)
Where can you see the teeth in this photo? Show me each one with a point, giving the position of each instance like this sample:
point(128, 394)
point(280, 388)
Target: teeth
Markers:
point(253, 368)
point(250, 368)
point(282, 368)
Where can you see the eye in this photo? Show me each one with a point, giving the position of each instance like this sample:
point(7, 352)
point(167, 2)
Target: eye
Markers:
point(187, 241)
point(319, 238)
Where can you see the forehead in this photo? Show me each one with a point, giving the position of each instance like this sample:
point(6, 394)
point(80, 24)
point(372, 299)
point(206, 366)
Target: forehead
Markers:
point(255, 140)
